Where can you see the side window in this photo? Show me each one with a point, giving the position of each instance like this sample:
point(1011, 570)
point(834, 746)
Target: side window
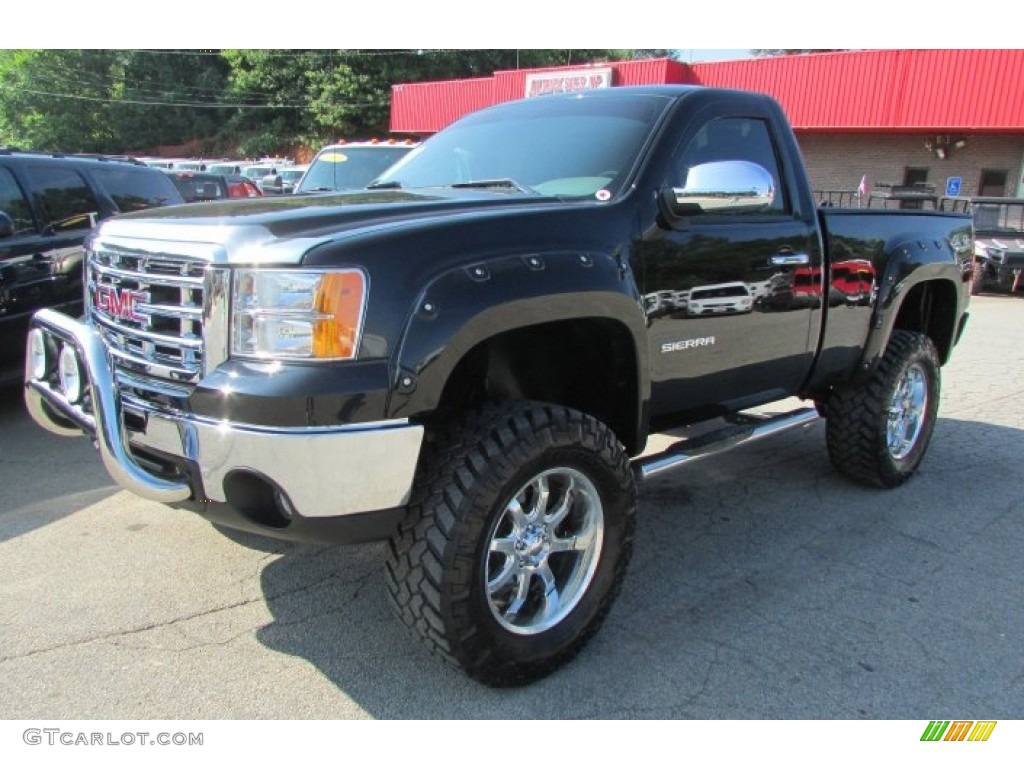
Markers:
point(14, 203)
point(735, 138)
point(66, 200)
point(132, 190)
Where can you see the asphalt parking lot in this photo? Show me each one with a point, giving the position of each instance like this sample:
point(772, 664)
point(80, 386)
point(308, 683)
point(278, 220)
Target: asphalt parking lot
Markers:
point(763, 586)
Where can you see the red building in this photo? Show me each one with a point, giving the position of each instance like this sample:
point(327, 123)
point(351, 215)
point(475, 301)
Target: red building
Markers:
point(952, 119)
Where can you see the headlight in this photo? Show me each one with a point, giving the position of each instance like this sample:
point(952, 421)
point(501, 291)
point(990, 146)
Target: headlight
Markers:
point(307, 314)
point(996, 253)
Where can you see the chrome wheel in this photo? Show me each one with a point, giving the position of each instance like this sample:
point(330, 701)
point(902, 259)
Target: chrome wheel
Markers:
point(544, 550)
point(878, 430)
point(907, 412)
point(516, 541)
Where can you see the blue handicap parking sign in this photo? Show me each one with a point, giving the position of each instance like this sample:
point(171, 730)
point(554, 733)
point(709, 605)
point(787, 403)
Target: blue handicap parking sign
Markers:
point(953, 184)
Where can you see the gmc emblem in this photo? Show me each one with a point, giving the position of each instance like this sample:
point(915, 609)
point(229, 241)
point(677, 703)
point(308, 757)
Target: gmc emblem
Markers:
point(119, 302)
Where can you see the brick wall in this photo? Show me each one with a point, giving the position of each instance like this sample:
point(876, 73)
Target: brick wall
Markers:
point(838, 161)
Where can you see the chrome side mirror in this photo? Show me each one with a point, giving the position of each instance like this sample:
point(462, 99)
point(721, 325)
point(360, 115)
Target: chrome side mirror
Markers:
point(730, 186)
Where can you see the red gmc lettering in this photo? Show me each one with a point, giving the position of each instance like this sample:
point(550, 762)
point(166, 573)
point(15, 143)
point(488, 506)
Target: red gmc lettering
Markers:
point(118, 303)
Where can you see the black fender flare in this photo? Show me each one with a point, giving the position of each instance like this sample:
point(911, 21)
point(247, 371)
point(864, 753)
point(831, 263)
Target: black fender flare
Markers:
point(910, 262)
point(465, 306)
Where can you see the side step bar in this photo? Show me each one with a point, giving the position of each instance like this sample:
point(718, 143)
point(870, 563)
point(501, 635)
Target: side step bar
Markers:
point(745, 428)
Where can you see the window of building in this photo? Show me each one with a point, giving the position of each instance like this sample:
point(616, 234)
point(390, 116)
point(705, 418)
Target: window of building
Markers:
point(915, 179)
point(993, 183)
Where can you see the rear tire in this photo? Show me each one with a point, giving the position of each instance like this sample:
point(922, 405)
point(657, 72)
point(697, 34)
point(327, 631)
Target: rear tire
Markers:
point(516, 541)
point(878, 432)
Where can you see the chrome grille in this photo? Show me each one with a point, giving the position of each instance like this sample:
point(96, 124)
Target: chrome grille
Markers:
point(149, 307)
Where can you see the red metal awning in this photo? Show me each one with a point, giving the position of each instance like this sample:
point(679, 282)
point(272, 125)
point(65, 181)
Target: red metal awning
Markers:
point(901, 90)
point(864, 91)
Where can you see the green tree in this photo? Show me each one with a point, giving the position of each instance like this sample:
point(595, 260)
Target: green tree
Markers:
point(169, 97)
point(108, 100)
point(55, 99)
point(238, 101)
point(322, 95)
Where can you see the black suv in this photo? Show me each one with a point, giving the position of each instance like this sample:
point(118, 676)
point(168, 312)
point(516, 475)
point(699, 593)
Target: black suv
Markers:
point(48, 204)
point(200, 187)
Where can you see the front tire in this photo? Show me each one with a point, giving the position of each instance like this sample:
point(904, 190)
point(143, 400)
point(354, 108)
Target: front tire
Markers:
point(878, 432)
point(516, 541)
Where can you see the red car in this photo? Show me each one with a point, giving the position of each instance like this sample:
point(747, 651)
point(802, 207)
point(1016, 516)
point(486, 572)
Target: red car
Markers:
point(196, 186)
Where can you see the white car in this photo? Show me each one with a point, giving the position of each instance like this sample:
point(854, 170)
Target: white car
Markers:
point(225, 167)
point(257, 171)
point(720, 299)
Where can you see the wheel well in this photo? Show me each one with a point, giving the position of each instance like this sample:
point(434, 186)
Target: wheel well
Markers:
point(588, 364)
point(930, 308)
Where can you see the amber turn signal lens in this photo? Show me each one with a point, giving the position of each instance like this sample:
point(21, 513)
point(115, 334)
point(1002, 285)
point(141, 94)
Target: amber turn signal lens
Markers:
point(339, 302)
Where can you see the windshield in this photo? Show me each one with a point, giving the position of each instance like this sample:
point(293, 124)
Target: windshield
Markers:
point(337, 168)
point(569, 147)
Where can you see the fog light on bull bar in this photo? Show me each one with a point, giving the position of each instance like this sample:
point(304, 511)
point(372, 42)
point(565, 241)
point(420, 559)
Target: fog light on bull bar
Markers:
point(39, 357)
point(70, 373)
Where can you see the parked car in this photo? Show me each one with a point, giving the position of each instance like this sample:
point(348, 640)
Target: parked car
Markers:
point(284, 181)
point(998, 243)
point(720, 299)
point(351, 165)
point(190, 165)
point(48, 204)
point(256, 171)
point(226, 167)
point(203, 187)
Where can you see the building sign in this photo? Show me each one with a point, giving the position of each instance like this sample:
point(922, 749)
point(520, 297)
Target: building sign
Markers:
point(540, 83)
point(953, 185)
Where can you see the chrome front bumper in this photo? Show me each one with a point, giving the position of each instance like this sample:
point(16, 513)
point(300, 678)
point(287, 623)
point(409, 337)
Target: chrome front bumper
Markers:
point(321, 471)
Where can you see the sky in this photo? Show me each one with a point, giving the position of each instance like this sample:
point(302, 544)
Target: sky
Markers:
point(690, 55)
point(520, 24)
point(404, 24)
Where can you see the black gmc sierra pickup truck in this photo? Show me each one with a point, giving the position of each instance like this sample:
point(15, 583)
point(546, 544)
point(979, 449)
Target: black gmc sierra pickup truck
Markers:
point(466, 358)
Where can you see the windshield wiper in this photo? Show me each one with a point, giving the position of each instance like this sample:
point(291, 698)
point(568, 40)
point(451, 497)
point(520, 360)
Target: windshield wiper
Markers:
point(384, 185)
point(495, 184)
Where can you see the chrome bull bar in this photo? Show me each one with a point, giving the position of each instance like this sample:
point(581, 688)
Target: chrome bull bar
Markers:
point(106, 422)
point(318, 471)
